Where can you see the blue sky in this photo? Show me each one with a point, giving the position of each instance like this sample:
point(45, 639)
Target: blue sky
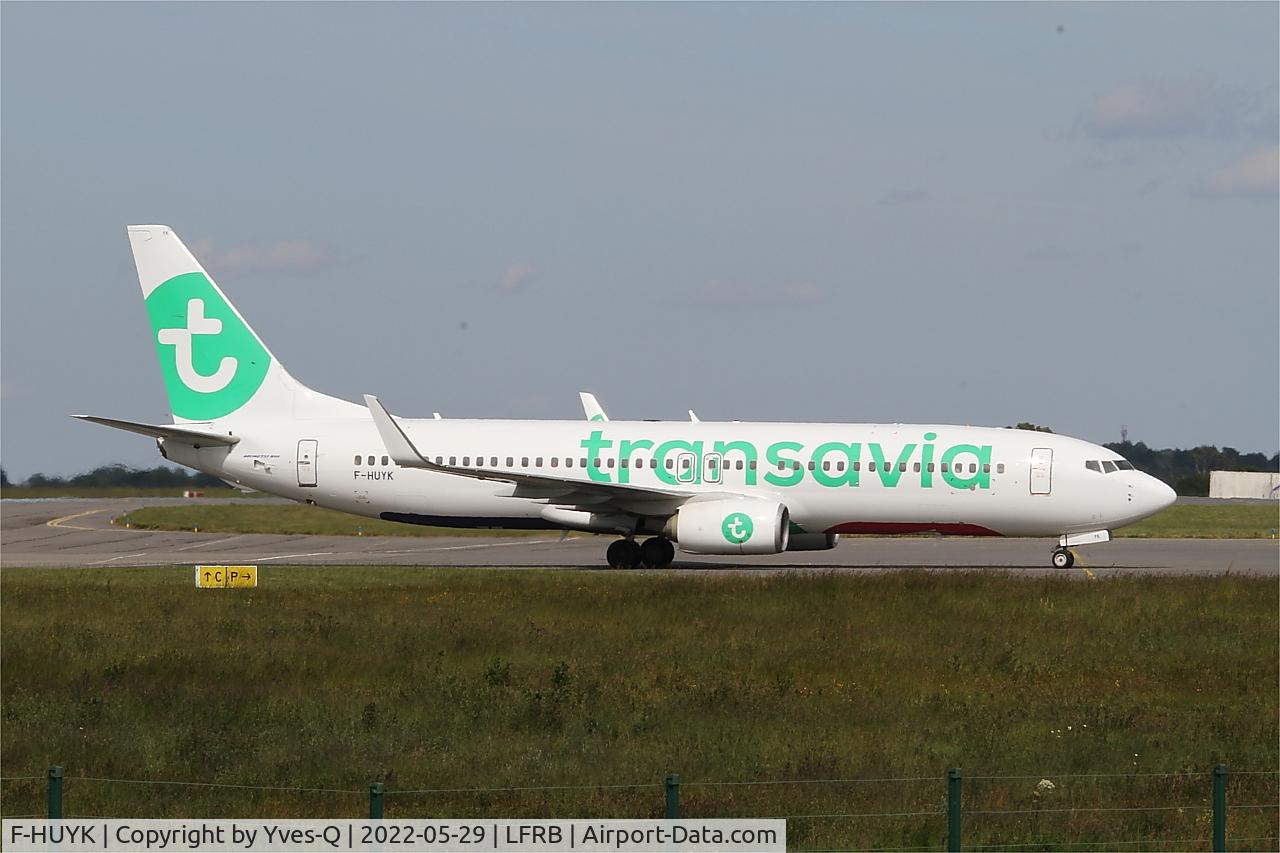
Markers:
point(883, 212)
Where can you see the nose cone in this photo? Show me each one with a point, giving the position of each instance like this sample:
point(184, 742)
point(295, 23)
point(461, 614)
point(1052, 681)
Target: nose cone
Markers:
point(1152, 495)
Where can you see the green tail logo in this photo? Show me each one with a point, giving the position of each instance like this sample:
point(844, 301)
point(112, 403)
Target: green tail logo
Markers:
point(211, 363)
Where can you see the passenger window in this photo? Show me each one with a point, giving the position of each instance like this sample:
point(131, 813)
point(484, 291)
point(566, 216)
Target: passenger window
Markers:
point(493, 462)
point(623, 462)
point(826, 465)
point(973, 467)
point(930, 468)
point(944, 467)
point(524, 461)
point(986, 467)
point(795, 466)
point(1092, 465)
point(610, 463)
point(555, 461)
point(812, 465)
point(595, 463)
point(439, 460)
point(1108, 467)
point(1000, 468)
point(453, 460)
point(466, 461)
point(738, 465)
point(857, 466)
point(782, 466)
point(752, 464)
point(839, 465)
point(568, 462)
point(670, 464)
point(511, 463)
point(902, 467)
point(916, 467)
point(538, 462)
point(871, 466)
point(386, 461)
point(358, 458)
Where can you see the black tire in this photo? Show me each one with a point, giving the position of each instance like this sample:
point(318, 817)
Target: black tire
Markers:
point(657, 553)
point(624, 554)
point(1063, 559)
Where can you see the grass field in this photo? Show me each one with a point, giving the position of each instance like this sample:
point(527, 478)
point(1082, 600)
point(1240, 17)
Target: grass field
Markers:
point(335, 677)
point(1207, 521)
point(1229, 521)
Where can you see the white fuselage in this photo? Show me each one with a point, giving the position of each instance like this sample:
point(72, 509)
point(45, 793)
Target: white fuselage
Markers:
point(835, 478)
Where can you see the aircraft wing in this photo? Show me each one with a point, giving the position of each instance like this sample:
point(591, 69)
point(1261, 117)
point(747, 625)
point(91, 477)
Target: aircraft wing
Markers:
point(186, 435)
point(558, 490)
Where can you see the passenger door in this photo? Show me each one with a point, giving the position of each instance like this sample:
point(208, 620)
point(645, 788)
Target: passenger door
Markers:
point(1041, 471)
point(307, 451)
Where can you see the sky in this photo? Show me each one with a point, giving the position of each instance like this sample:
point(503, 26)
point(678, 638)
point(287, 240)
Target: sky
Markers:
point(958, 213)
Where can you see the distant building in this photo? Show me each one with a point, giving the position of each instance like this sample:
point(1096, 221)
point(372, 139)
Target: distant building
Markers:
point(1244, 484)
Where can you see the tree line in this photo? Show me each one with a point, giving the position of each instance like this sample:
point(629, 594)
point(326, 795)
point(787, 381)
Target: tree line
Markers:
point(159, 477)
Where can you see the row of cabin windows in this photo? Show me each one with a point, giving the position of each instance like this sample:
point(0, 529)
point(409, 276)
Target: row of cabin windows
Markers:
point(373, 460)
point(712, 463)
point(1107, 466)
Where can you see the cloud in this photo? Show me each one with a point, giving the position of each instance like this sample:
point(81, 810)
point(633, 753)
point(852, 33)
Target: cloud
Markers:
point(516, 276)
point(1175, 108)
point(1255, 174)
point(281, 256)
point(726, 294)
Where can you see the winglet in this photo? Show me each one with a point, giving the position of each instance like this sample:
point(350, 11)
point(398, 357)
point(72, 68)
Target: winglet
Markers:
point(693, 417)
point(591, 406)
point(397, 443)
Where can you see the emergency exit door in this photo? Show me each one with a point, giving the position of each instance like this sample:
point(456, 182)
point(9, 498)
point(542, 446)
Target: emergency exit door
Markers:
point(1041, 471)
point(307, 462)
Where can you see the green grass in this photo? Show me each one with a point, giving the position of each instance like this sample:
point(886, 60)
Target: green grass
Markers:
point(334, 677)
point(291, 519)
point(1208, 521)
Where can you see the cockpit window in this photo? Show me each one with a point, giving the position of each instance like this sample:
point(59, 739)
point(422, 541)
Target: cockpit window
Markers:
point(1124, 465)
point(1108, 466)
point(1092, 465)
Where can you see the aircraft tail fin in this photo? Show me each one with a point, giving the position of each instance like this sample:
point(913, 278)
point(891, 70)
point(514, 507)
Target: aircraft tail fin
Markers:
point(213, 364)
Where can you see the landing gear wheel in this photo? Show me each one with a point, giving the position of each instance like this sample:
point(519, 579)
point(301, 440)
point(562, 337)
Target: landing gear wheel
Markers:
point(657, 552)
point(1063, 559)
point(623, 554)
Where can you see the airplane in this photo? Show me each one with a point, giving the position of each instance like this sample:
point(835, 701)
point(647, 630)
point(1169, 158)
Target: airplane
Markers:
point(720, 488)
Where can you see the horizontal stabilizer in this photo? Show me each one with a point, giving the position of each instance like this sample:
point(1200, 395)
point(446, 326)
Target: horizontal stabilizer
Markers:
point(168, 431)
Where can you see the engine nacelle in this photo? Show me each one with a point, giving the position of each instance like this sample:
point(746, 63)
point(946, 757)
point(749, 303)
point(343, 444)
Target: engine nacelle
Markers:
point(729, 526)
point(812, 541)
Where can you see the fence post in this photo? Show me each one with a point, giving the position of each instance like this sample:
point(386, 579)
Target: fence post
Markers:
point(55, 793)
point(376, 790)
point(673, 796)
point(1219, 807)
point(953, 809)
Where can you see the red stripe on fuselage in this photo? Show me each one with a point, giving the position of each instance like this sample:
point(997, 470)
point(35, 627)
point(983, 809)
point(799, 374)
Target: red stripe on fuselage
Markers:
point(946, 528)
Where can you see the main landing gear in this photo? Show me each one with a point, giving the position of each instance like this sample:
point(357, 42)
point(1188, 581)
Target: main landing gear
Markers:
point(1063, 558)
point(655, 553)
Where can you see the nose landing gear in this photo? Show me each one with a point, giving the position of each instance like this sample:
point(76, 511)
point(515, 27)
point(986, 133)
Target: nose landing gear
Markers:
point(1063, 558)
point(655, 553)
